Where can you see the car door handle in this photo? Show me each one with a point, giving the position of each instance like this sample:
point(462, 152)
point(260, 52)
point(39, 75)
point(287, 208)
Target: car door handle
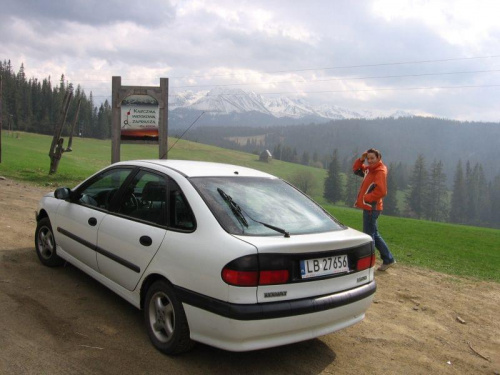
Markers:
point(93, 221)
point(145, 241)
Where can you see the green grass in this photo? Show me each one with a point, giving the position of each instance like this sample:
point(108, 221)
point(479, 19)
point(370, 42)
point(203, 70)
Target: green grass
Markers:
point(25, 157)
point(451, 249)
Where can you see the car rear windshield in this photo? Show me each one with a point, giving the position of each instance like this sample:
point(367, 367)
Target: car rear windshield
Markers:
point(252, 205)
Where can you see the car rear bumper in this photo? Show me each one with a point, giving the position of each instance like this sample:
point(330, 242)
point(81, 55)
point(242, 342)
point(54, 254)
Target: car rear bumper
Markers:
point(275, 310)
point(250, 327)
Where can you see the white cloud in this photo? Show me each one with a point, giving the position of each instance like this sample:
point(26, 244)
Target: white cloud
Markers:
point(459, 22)
point(270, 46)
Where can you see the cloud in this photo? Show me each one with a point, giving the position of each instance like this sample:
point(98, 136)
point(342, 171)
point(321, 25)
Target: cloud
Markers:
point(91, 12)
point(348, 53)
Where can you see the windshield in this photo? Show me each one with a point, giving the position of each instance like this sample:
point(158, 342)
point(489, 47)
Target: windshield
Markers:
point(244, 205)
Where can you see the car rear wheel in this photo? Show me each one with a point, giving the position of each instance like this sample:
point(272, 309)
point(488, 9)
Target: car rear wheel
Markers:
point(45, 244)
point(166, 321)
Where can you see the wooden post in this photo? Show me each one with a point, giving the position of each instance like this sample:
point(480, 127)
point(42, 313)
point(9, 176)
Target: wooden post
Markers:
point(1, 119)
point(115, 122)
point(163, 120)
point(56, 149)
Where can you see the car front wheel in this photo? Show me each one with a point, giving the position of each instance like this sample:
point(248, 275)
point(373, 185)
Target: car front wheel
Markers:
point(45, 244)
point(166, 321)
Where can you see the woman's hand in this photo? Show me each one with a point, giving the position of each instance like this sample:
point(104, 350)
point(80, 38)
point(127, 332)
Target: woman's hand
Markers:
point(363, 156)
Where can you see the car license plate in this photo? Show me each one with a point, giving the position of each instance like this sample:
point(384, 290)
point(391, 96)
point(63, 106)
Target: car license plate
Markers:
point(324, 266)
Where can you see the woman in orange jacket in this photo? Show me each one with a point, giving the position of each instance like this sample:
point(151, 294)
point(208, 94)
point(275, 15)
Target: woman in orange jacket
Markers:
point(372, 190)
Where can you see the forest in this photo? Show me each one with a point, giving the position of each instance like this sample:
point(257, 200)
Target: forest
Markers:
point(422, 192)
point(34, 106)
point(440, 170)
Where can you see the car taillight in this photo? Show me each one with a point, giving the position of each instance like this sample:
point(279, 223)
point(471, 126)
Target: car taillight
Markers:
point(240, 278)
point(245, 271)
point(366, 262)
point(273, 277)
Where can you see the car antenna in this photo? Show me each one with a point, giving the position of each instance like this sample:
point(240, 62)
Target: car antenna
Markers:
point(185, 131)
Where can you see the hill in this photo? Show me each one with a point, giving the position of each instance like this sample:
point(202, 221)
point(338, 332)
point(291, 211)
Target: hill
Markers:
point(452, 249)
point(25, 157)
point(400, 140)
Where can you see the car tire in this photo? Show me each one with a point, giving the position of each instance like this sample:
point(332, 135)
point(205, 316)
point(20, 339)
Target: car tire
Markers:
point(165, 319)
point(45, 244)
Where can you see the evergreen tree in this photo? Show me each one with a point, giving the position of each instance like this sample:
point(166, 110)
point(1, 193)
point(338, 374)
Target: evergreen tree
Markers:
point(333, 183)
point(277, 152)
point(470, 194)
point(33, 105)
point(400, 173)
point(494, 194)
point(484, 200)
point(477, 195)
point(435, 204)
point(352, 183)
point(458, 208)
point(415, 198)
point(315, 157)
point(305, 158)
point(390, 201)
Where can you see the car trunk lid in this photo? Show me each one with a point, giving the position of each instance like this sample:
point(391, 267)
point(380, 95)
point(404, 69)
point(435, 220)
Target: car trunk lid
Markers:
point(317, 264)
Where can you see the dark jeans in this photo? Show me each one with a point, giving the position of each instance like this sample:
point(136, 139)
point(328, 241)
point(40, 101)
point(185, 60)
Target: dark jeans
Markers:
point(370, 228)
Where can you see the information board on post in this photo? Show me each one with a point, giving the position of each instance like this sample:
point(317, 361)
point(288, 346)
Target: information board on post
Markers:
point(140, 115)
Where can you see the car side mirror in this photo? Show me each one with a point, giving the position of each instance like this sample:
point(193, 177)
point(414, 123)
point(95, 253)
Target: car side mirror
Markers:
point(62, 193)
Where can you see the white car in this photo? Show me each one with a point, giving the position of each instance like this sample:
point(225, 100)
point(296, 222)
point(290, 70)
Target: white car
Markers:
point(220, 254)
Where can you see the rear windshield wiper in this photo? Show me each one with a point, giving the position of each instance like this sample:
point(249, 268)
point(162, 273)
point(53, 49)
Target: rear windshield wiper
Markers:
point(238, 212)
point(234, 207)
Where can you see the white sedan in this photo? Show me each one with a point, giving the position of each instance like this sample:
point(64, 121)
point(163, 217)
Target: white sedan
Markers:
point(220, 254)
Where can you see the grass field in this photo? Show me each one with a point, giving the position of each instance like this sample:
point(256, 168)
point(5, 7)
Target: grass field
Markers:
point(452, 249)
point(25, 157)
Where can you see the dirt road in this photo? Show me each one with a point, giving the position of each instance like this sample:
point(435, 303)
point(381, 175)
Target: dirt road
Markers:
point(60, 321)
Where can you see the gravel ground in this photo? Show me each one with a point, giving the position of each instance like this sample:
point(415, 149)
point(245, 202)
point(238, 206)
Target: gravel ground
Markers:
point(60, 321)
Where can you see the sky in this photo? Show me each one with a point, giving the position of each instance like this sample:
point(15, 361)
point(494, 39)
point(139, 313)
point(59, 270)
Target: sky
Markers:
point(434, 58)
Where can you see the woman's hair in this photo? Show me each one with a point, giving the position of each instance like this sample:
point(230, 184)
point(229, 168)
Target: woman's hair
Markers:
point(377, 153)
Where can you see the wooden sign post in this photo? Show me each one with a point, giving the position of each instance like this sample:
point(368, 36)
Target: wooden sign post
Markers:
point(0, 119)
point(140, 115)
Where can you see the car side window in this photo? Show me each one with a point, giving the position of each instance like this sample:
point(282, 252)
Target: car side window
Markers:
point(145, 198)
point(102, 190)
point(179, 213)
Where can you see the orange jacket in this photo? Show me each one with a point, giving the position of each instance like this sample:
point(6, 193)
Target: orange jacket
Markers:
point(374, 185)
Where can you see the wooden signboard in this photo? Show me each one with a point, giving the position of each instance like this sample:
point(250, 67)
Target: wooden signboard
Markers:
point(140, 115)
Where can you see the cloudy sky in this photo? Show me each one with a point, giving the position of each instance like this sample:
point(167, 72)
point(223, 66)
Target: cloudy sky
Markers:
point(438, 57)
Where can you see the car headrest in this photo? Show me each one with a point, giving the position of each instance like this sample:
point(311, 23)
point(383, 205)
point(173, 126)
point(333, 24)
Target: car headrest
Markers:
point(154, 191)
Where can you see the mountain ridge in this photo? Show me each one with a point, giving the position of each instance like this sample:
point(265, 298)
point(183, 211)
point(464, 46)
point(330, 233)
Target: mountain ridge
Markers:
point(225, 105)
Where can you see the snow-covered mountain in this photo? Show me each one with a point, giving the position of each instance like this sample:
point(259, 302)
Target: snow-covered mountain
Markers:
point(237, 107)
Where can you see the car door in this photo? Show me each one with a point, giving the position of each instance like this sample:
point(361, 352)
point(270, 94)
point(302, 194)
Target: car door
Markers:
point(77, 221)
point(129, 238)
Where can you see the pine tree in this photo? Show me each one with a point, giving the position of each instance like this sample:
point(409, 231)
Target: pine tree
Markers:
point(484, 200)
point(458, 208)
point(305, 158)
point(495, 202)
point(333, 183)
point(470, 194)
point(352, 184)
point(418, 189)
point(277, 152)
point(400, 172)
point(435, 204)
point(477, 195)
point(390, 201)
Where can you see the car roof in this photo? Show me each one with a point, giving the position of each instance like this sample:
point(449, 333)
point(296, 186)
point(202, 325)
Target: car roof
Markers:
point(191, 168)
